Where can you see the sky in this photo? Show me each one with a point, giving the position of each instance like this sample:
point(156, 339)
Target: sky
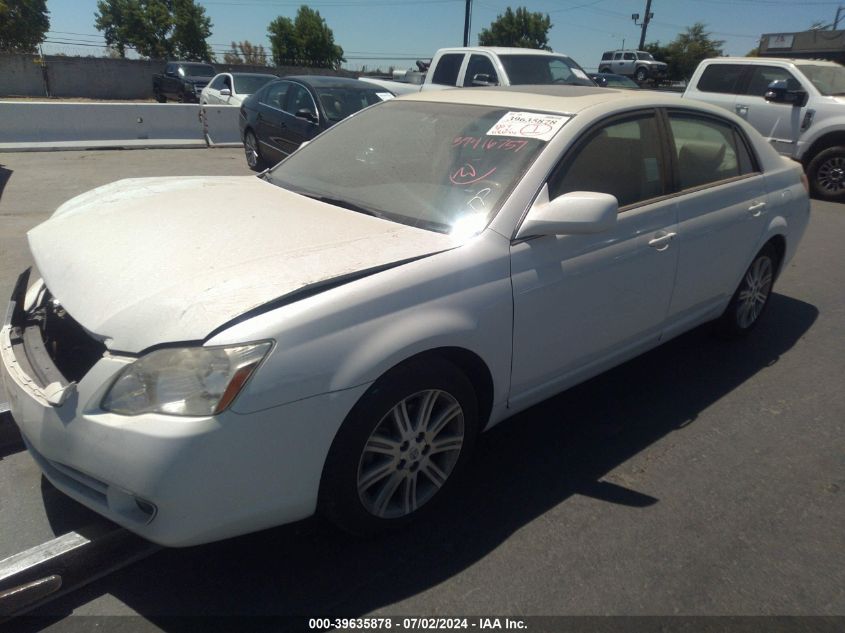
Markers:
point(384, 33)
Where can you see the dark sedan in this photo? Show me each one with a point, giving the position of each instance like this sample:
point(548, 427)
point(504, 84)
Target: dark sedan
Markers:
point(609, 80)
point(283, 114)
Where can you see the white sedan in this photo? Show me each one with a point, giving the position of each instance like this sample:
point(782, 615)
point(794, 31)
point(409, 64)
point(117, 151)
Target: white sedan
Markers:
point(415, 275)
point(233, 88)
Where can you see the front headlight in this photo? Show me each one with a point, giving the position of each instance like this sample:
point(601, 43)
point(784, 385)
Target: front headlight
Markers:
point(184, 381)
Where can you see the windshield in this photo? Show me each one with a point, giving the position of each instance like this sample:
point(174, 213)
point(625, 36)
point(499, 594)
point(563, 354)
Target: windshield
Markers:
point(543, 69)
point(645, 56)
point(828, 80)
point(249, 84)
point(438, 166)
point(196, 70)
point(339, 103)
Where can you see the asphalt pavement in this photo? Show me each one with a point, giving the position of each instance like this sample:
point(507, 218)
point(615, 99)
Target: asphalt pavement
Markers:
point(703, 478)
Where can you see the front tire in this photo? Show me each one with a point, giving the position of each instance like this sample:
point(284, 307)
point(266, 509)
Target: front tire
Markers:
point(253, 153)
point(400, 448)
point(159, 97)
point(751, 298)
point(826, 173)
point(641, 75)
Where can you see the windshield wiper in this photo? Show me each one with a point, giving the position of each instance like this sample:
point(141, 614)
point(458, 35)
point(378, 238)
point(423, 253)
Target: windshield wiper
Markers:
point(344, 204)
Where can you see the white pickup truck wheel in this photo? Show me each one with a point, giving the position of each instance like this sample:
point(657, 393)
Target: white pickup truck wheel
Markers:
point(826, 173)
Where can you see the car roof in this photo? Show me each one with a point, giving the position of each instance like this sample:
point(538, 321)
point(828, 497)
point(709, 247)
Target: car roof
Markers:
point(546, 98)
point(329, 81)
point(765, 60)
point(237, 74)
point(501, 50)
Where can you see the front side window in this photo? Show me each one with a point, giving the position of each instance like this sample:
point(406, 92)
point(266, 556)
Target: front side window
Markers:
point(629, 56)
point(434, 166)
point(707, 150)
point(447, 68)
point(762, 76)
point(247, 85)
point(299, 99)
point(217, 84)
point(723, 78)
point(622, 158)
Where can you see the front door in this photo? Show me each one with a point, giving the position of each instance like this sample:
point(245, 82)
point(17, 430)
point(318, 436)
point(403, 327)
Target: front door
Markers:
point(584, 302)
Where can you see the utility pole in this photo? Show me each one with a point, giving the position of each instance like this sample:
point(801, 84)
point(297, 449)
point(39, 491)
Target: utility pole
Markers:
point(467, 16)
point(646, 19)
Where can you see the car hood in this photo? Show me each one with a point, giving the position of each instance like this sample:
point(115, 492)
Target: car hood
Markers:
point(197, 79)
point(155, 260)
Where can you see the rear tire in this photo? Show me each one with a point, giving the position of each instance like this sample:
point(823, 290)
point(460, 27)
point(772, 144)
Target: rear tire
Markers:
point(400, 448)
point(751, 297)
point(605, 69)
point(826, 173)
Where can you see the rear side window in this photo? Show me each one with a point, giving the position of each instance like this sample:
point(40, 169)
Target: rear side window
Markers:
point(447, 68)
point(722, 78)
point(762, 76)
point(606, 56)
point(707, 150)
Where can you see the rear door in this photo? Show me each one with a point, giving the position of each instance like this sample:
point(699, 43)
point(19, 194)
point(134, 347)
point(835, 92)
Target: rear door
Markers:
point(722, 212)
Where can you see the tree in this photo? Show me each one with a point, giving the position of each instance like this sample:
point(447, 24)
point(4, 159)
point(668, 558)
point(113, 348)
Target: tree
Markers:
point(246, 53)
point(23, 24)
point(158, 29)
point(191, 28)
point(520, 28)
point(685, 52)
point(307, 40)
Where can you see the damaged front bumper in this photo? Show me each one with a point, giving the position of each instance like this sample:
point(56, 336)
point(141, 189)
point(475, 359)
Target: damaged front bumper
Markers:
point(174, 480)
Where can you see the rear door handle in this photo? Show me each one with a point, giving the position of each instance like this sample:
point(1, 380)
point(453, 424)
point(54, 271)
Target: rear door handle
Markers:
point(742, 110)
point(661, 242)
point(756, 209)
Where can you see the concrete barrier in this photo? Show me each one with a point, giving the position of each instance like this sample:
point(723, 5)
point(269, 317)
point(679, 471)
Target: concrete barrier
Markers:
point(37, 125)
point(220, 125)
point(27, 125)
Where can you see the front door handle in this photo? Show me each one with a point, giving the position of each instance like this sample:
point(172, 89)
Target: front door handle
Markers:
point(661, 242)
point(756, 209)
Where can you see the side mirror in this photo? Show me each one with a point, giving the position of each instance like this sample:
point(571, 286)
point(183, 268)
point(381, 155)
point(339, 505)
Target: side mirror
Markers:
point(574, 213)
point(778, 93)
point(225, 92)
point(305, 113)
point(483, 79)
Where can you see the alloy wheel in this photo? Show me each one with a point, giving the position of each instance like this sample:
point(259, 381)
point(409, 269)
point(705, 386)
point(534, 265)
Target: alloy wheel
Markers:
point(410, 454)
point(757, 285)
point(251, 150)
point(831, 175)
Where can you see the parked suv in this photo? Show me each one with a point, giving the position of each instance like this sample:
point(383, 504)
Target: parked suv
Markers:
point(637, 64)
point(798, 105)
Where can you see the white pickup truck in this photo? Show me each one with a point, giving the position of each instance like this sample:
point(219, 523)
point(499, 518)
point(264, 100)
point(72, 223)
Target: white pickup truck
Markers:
point(466, 67)
point(797, 104)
